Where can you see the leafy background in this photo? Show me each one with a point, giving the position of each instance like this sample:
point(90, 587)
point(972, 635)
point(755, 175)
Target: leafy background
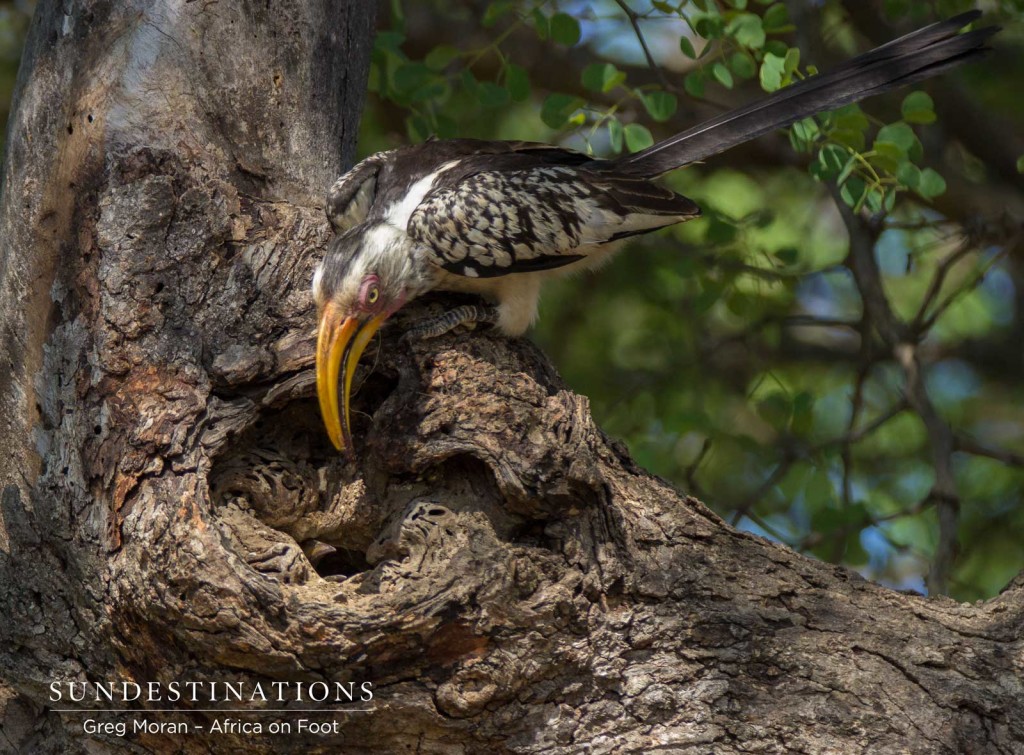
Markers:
point(832, 356)
point(14, 19)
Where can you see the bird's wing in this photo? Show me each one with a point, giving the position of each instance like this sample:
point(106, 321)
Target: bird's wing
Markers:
point(496, 222)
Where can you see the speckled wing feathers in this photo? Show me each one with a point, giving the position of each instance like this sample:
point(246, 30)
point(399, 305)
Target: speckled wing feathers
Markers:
point(487, 223)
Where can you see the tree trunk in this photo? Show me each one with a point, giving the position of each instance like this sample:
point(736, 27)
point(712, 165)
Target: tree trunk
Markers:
point(501, 572)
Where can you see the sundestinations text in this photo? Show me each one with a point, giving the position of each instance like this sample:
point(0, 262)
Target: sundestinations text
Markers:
point(211, 692)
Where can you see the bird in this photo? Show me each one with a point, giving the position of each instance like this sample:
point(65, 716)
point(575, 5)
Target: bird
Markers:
point(497, 218)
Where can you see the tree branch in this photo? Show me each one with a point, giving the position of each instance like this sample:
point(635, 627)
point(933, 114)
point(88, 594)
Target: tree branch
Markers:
point(634, 21)
point(898, 338)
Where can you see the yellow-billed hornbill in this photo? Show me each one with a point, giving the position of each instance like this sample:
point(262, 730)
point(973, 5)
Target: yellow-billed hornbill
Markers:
point(497, 218)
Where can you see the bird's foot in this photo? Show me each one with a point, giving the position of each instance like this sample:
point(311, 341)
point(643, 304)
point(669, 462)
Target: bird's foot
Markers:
point(464, 315)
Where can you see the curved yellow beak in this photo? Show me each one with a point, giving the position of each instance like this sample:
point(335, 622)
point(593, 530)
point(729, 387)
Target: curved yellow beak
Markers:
point(339, 344)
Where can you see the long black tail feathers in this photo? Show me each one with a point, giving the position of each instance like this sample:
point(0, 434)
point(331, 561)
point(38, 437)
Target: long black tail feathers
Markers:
point(907, 60)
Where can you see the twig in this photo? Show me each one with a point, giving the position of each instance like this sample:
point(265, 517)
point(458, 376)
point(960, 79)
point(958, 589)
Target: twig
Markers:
point(846, 454)
point(858, 435)
point(634, 17)
point(690, 473)
point(819, 322)
point(780, 471)
point(760, 522)
point(944, 492)
point(936, 283)
point(792, 455)
point(971, 446)
point(742, 267)
point(868, 278)
point(914, 510)
point(901, 341)
point(916, 225)
point(969, 286)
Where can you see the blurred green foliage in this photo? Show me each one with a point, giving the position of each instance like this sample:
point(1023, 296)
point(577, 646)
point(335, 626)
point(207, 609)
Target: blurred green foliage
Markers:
point(14, 18)
point(732, 353)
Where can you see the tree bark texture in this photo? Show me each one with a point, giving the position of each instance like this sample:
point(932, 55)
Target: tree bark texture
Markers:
point(504, 574)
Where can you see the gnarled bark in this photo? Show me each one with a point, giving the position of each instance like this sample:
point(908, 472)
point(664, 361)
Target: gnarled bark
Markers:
point(501, 571)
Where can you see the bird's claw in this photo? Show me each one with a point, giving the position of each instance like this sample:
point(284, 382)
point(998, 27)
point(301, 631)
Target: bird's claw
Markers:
point(467, 314)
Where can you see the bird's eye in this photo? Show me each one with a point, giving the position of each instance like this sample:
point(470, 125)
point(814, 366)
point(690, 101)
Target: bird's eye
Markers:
point(369, 293)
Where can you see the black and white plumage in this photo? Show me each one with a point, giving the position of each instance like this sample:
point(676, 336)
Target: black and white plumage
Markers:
point(474, 212)
point(497, 218)
point(524, 220)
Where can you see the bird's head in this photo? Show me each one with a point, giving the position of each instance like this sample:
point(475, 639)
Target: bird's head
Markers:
point(365, 277)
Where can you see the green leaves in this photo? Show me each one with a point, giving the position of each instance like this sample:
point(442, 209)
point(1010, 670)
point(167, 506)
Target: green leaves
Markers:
point(833, 163)
point(908, 174)
point(492, 95)
point(773, 68)
point(930, 184)
point(448, 72)
point(541, 24)
point(495, 11)
point(895, 148)
point(896, 8)
point(745, 50)
point(804, 133)
point(747, 29)
point(565, 30)
point(918, 107)
point(777, 70)
point(722, 74)
point(557, 109)
point(897, 136)
point(709, 25)
point(853, 191)
point(601, 77)
point(637, 137)
point(694, 83)
point(415, 82)
point(518, 82)
point(847, 126)
point(872, 178)
point(743, 65)
point(776, 409)
point(616, 135)
point(790, 62)
point(775, 19)
point(439, 58)
point(786, 413)
point(660, 105)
